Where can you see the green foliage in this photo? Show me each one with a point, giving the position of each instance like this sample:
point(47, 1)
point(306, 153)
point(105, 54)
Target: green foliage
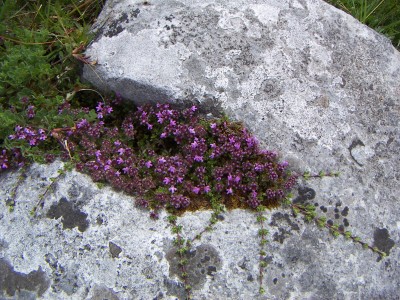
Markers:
point(309, 214)
point(38, 66)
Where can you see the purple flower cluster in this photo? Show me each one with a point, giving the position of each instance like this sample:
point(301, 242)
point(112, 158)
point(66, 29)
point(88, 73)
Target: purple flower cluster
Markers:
point(30, 139)
point(31, 135)
point(171, 158)
point(103, 110)
point(30, 111)
point(4, 161)
point(12, 158)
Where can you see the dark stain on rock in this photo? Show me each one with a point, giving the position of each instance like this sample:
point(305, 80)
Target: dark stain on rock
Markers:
point(115, 250)
point(243, 263)
point(101, 219)
point(64, 278)
point(13, 282)
point(103, 293)
point(345, 212)
point(272, 88)
point(305, 194)
point(277, 220)
point(175, 288)
point(268, 259)
point(202, 261)
point(355, 143)
point(3, 244)
point(277, 217)
point(115, 27)
point(281, 235)
point(71, 216)
point(135, 13)
point(382, 240)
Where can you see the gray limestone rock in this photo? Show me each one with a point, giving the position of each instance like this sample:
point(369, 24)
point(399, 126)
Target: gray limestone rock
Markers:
point(308, 80)
point(123, 254)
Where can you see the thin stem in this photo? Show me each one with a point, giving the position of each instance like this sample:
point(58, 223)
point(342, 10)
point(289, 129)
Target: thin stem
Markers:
point(334, 229)
point(262, 233)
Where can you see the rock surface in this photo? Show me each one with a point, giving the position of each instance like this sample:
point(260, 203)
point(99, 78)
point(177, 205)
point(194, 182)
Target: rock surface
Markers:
point(120, 253)
point(307, 79)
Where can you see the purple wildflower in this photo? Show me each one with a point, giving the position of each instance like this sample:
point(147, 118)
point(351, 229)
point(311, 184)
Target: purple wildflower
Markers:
point(196, 190)
point(194, 144)
point(198, 158)
point(30, 112)
point(121, 151)
point(82, 123)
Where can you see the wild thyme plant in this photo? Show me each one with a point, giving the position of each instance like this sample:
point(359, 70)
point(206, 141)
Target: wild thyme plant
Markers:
point(176, 160)
point(40, 44)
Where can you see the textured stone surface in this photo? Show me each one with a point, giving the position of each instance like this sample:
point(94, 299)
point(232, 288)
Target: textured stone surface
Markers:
point(308, 80)
point(123, 254)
